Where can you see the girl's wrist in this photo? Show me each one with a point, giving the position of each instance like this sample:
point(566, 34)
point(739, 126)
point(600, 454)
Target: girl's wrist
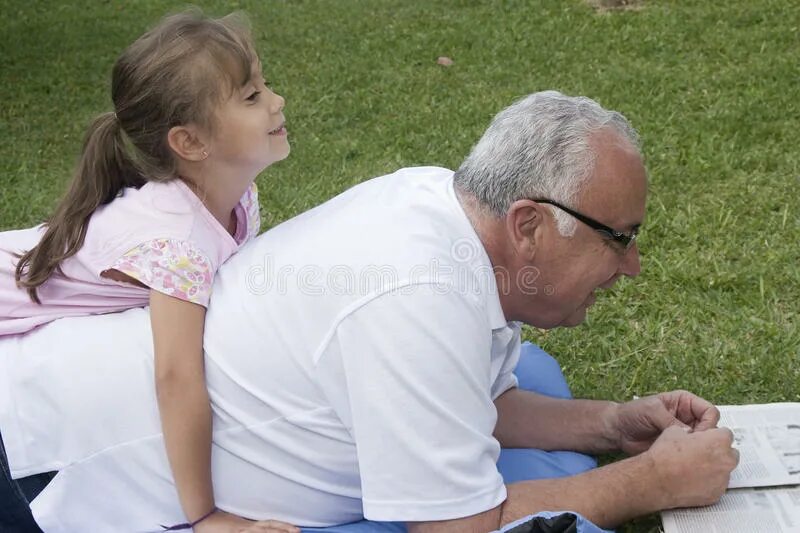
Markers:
point(191, 525)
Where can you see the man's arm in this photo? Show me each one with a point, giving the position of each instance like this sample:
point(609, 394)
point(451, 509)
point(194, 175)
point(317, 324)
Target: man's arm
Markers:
point(607, 496)
point(680, 469)
point(529, 420)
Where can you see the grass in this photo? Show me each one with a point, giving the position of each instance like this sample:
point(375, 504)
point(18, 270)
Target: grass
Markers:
point(712, 88)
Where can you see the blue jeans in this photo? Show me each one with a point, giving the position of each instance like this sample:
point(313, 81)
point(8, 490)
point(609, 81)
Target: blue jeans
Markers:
point(536, 371)
point(15, 514)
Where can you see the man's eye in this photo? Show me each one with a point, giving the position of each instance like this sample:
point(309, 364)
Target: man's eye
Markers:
point(616, 246)
point(253, 97)
point(619, 248)
point(612, 243)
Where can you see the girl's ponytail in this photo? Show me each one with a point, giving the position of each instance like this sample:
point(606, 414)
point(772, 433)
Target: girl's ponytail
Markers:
point(103, 170)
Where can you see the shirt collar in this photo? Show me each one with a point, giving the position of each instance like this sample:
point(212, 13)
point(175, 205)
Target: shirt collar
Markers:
point(480, 263)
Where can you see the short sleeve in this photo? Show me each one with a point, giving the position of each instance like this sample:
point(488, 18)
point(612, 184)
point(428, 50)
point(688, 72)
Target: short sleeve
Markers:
point(419, 404)
point(175, 268)
point(507, 360)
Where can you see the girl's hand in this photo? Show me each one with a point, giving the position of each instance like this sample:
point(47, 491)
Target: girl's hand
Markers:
point(270, 526)
point(222, 522)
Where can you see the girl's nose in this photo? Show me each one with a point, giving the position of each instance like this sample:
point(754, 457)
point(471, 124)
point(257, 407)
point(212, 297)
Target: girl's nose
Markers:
point(278, 104)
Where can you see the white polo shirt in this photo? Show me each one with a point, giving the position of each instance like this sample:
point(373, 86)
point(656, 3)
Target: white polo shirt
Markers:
point(353, 354)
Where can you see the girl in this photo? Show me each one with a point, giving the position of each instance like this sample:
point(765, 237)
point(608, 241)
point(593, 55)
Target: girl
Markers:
point(162, 195)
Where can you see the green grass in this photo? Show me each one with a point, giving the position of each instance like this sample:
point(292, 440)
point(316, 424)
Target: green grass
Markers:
point(711, 86)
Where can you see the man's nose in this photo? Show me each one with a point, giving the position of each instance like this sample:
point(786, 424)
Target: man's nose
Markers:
point(630, 264)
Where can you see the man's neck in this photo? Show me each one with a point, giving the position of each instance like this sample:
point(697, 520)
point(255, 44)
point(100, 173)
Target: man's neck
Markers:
point(486, 227)
point(490, 231)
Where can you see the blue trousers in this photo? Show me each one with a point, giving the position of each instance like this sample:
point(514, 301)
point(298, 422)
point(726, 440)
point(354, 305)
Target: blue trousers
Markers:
point(15, 515)
point(536, 371)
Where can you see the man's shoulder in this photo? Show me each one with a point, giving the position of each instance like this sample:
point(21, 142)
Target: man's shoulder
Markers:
point(399, 229)
point(395, 207)
point(398, 190)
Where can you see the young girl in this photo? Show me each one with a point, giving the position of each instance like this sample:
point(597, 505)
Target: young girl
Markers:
point(163, 194)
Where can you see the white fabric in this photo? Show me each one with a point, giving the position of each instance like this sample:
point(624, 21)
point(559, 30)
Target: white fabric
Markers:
point(352, 356)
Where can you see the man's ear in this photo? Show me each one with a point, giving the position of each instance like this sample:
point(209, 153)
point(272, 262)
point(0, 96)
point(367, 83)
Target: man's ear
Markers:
point(187, 142)
point(524, 225)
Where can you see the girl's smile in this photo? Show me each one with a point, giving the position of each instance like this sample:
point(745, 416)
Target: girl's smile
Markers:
point(280, 130)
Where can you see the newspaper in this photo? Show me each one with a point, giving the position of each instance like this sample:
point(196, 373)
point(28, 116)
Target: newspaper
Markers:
point(741, 511)
point(768, 439)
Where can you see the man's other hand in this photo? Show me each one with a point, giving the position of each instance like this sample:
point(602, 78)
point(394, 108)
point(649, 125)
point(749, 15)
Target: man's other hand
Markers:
point(692, 469)
point(638, 423)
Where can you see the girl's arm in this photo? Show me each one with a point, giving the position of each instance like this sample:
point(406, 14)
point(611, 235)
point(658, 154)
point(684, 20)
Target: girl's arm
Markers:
point(186, 414)
point(183, 399)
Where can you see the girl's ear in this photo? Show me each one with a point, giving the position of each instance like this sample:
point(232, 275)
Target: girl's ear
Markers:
point(187, 143)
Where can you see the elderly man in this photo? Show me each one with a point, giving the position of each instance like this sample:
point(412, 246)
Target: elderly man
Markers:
point(359, 357)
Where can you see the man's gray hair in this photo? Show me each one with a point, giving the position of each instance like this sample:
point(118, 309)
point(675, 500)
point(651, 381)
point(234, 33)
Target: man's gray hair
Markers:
point(538, 148)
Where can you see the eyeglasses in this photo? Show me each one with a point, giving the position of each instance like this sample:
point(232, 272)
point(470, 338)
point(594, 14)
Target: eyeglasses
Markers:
point(626, 240)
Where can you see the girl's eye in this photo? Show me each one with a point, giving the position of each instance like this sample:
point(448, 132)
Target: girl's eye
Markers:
point(253, 97)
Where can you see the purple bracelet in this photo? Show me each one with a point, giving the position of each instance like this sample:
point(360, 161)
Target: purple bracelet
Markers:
point(190, 525)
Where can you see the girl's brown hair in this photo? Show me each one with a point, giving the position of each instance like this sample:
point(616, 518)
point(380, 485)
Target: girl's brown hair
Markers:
point(175, 74)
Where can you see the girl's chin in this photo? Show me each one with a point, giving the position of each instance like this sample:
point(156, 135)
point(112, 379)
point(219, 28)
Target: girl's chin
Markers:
point(276, 156)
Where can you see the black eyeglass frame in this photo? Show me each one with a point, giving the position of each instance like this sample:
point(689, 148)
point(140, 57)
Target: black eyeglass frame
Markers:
point(625, 239)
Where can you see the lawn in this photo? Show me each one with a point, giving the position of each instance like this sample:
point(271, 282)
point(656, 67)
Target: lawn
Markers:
point(711, 86)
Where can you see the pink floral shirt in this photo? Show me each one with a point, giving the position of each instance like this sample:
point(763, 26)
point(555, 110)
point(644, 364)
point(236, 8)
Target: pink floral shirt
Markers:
point(161, 235)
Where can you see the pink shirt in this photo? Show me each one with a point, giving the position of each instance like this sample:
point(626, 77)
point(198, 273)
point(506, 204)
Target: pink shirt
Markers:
point(161, 235)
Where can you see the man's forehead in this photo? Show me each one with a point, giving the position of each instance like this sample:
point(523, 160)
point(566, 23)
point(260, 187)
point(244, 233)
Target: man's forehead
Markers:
point(616, 189)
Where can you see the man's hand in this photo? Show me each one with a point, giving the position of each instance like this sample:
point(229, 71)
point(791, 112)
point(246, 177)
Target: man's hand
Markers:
point(637, 424)
point(222, 522)
point(692, 469)
point(681, 469)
